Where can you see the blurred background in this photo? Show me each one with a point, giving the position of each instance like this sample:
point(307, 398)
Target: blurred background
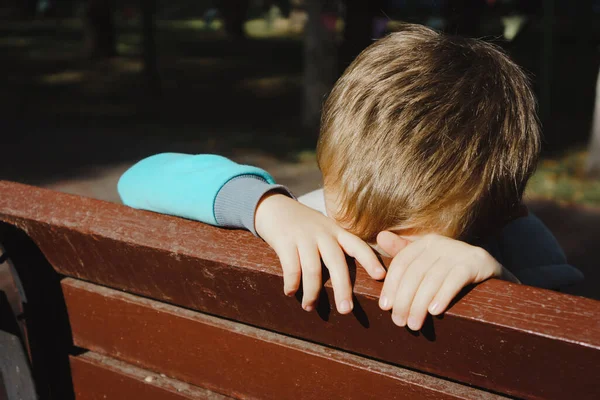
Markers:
point(88, 87)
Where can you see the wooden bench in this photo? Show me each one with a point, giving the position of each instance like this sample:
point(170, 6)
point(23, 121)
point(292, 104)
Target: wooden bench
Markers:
point(127, 304)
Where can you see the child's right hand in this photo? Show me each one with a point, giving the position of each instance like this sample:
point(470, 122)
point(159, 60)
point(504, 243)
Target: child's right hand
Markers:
point(302, 236)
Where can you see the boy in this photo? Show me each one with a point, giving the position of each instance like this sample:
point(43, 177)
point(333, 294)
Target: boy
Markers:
point(426, 145)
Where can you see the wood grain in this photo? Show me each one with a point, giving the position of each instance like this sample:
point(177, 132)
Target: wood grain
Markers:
point(514, 339)
point(233, 358)
point(97, 377)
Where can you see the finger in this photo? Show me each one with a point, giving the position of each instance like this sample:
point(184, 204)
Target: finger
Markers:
point(362, 252)
point(409, 284)
point(290, 264)
point(427, 290)
point(311, 275)
point(457, 279)
point(391, 243)
point(396, 271)
point(335, 261)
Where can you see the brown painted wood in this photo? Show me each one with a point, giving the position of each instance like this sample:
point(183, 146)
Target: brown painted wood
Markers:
point(47, 334)
point(97, 377)
point(233, 358)
point(515, 339)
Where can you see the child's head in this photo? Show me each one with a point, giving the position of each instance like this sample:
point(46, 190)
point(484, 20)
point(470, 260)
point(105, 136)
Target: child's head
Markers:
point(428, 133)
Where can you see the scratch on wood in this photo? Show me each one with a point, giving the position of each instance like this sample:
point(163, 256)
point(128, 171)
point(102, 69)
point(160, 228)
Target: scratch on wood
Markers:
point(475, 373)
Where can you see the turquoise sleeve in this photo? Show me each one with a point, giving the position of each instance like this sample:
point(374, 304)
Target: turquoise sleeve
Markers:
point(183, 185)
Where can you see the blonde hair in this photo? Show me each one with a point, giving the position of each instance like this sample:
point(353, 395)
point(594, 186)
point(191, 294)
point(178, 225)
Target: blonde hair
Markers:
point(426, 132)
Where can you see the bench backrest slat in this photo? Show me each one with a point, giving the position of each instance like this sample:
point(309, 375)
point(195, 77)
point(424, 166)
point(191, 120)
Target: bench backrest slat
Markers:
point(513, 339)
point(99, 377)
point(236, 359)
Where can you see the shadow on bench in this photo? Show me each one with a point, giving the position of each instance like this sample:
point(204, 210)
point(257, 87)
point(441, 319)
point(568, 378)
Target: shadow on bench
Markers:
point(161, 307)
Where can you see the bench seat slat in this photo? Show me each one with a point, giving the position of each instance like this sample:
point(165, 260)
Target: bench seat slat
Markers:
point(236, 359)
point(514, 339)
point(97, 377)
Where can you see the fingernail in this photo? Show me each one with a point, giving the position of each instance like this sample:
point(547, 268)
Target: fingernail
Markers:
point(433, 308)
point(308, 308)
point(345, 306)
point(398, 320)
point(413, 323)
point(383, 302)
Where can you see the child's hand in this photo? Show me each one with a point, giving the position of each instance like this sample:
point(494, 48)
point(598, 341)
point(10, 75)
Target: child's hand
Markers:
point(425, 275)
point(301, 237)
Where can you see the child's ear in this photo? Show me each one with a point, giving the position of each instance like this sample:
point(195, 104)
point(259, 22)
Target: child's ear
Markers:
point(391, 243)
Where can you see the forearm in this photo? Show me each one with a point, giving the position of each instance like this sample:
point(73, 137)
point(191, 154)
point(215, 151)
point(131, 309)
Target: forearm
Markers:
point(236, 204)
point(206, 188)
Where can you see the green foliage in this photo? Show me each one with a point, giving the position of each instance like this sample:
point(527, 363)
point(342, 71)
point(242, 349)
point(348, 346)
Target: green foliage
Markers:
point(563, 179)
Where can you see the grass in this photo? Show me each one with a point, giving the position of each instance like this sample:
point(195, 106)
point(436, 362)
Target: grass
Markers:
point(563, 179)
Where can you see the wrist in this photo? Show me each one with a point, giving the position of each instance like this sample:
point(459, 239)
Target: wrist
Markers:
point(506, 275)
point(498, 270)
point(265, 210)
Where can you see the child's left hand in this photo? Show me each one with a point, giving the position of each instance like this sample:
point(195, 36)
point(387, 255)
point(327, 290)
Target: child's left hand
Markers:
point(425, 275)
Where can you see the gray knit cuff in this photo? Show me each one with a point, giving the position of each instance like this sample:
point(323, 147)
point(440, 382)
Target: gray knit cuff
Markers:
point(236, 202)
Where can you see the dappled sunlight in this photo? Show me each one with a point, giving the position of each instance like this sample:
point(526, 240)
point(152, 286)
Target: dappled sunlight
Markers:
point(255, 28)
point(63, 78)
point(512, 25)
point(129, 44)
point(127, 49)
point(262, 28)
point(258, 28)
point(127, 65)
point(95, 78)
point(563, 179)
point(112, 75)
point(15, 42)
point(293, 27)
point(194, 24)
point(247, 90)
point(270, 85)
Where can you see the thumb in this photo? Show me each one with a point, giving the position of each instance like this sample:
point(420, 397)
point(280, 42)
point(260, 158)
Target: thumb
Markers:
point(391, 243)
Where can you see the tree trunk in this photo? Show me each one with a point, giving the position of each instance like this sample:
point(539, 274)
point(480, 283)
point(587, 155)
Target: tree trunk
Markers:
point(148, 8)
point(546, 72)
point(358, 29)
point(100, 41)
point(593, 164)
point(234, 15)
point(319, 64)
